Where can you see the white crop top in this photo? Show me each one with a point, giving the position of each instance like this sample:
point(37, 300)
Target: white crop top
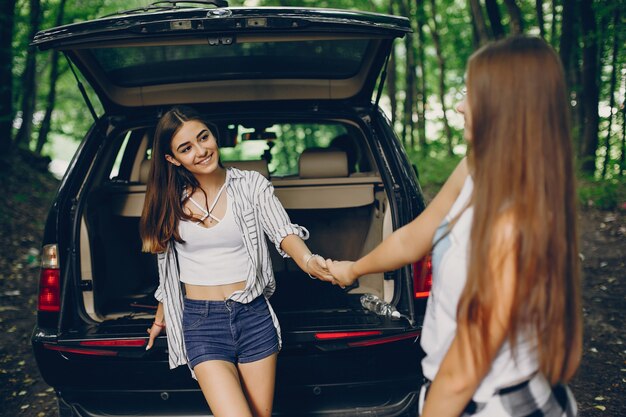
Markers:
point(212, 256)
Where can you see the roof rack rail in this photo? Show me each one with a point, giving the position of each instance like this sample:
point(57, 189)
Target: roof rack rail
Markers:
point(163, 5)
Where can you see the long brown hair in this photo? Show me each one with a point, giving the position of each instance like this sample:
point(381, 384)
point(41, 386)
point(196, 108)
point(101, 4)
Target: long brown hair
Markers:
point(163, 207)
point(522, 165)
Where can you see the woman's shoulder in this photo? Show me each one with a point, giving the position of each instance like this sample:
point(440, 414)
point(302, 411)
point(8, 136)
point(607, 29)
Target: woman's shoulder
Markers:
point(251, 176)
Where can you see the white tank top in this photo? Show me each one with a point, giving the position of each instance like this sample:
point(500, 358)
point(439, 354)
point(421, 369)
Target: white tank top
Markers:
point(212, 256)
point(450, 262)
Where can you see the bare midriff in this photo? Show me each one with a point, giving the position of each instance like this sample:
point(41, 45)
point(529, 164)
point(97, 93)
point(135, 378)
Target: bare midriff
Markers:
point(213, 292)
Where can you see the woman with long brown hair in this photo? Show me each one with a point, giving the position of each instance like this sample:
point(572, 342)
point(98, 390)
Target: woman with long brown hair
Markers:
point(502, 333)
point(207, 225)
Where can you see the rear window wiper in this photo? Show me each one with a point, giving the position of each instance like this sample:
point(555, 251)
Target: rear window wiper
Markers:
point(164, 5)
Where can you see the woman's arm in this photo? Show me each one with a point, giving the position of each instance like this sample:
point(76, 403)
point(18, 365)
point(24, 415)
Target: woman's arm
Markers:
point(288, 237)
point(309, 263)
point(409, 243)
point(157, 326)
point(459, 375)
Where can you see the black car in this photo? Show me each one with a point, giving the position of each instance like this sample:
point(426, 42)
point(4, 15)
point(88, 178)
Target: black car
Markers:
point(294, 94)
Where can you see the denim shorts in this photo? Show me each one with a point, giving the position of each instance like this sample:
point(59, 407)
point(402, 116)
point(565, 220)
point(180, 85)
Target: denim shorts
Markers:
point(228, 331)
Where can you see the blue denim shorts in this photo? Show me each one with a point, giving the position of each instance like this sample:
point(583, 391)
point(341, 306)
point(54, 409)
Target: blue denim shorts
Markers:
point(228, 331)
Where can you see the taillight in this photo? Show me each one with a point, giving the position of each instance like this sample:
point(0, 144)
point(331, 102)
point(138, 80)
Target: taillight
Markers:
point(50, 280)
point(346, 335)
point(423, 277)
point(389, 339)
point(115, 343)
point(93, 352)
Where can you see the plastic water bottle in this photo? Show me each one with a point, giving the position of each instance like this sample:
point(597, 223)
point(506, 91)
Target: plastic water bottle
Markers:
point(376, 305)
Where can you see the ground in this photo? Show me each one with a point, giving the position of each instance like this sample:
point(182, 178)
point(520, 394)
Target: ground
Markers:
point(599, 385)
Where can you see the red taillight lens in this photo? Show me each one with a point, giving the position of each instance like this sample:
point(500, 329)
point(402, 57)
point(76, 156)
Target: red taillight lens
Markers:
point(49, 290)
point(49, 280)
point(115, 343)
point(67, 349)
point(346, 335)
point(380, 341)
point(423, 277)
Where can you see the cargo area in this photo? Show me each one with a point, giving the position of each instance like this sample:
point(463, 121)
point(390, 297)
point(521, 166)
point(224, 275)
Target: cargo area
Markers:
point(343, 204)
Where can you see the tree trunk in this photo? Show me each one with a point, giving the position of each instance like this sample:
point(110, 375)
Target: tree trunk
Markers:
point(553, 40)
point(442, 72)
point(517, 24)
point(479, 21)
point(392, 78)
point(622, 159)
point(422, 94)
point(7, 14)
point(407, 126)
point(493, 11)
point(540, 19)
point(29, 86)
point(567, 34)
point(590, 92)
point(614, 69)
point(475, 35)
point(50, 101)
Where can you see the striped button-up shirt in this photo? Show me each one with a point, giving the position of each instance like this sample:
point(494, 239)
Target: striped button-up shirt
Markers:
point(257, 211)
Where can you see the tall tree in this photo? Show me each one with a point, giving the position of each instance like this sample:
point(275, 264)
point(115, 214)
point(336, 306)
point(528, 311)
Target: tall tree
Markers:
point(540, 18)
point(434, 30)
point(590, 94)
point(612, 85)
point(422, 94)
point(7, 15)
point(493, 11)
point(44, 129)
point(567, 34)
point(392, 79)
point(479, 21)
point(407, 125)
point(517, 24)
point(553, 24)
point(622, 158)
point(29, 86)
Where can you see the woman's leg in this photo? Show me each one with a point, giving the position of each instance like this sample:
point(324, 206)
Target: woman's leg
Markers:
point(220, 384)
point(258, 380)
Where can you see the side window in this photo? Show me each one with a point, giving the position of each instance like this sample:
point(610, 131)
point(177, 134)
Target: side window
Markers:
point(126, 165)
point(115, 170)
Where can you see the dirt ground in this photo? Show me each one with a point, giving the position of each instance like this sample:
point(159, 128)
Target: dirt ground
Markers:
point(599, 385)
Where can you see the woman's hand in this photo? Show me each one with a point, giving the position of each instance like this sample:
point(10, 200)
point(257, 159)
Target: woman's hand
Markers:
point(316, 268)
point(154, 331)
point(342, 272)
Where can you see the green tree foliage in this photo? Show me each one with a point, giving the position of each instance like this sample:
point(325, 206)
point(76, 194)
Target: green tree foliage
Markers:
point(560, 21)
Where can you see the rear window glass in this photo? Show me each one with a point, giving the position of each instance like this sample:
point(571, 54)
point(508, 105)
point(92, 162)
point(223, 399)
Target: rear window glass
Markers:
point(147, 65)
point(290, 139)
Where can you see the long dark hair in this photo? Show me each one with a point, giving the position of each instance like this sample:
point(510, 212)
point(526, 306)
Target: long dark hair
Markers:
point(522, 165)
point(163, 207)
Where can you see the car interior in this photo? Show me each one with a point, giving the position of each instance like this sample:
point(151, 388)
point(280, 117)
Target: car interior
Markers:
point(343, 205)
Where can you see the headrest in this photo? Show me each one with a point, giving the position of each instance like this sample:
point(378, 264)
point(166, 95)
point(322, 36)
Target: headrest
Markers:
point(144, 171)
point(323, 163)
point(259, 165)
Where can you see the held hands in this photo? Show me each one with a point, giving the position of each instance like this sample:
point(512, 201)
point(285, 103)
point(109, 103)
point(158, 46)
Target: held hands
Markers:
point(315, 266)
point(336, 272)
point(342, 272)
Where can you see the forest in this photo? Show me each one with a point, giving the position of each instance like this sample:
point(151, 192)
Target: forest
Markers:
point(41, 106)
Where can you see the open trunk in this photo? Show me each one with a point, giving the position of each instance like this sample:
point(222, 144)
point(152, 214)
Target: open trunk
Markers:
point(347, 215)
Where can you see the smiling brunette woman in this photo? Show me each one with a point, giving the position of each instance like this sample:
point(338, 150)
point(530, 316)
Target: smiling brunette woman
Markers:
point(502, 332)
point(206, 224)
